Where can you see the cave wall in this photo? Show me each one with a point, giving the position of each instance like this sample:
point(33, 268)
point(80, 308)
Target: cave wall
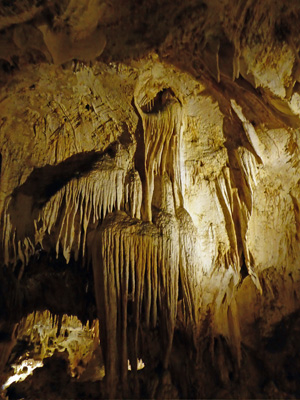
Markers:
point(162, 160)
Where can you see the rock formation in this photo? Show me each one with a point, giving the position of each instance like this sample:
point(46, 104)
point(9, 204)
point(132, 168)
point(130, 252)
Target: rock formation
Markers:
point(149, 199)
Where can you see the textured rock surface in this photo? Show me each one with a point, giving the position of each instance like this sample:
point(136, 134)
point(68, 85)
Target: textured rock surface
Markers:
point(149, 160)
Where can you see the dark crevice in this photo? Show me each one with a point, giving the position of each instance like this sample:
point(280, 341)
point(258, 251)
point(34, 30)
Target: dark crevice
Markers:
point(282, 30)
point(6, 67)
point(160, 102)
point(296, 214)
point(48, 283)
point(284, 334)
point(44, 182)
point(140, 153)
point(244, 270)
point(180, 289)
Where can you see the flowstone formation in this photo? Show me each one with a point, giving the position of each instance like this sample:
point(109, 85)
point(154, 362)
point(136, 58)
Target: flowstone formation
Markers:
point(149, 200)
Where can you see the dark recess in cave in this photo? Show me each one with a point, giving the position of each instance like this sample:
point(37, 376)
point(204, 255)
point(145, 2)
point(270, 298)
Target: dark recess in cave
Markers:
point(47, 283)
point(244, 270)
point(159, 102)
point(44, 182)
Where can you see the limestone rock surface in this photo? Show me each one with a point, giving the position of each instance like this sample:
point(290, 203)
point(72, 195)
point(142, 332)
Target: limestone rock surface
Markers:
point(149, 183)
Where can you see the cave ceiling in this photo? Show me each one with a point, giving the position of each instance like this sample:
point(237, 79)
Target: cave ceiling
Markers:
point(149, 166)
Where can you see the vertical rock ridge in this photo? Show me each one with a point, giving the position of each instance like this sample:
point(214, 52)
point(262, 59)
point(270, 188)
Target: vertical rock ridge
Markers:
point(161, 142)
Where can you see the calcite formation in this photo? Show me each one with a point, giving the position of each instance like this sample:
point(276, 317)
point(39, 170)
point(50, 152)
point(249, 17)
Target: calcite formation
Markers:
point(149, 160)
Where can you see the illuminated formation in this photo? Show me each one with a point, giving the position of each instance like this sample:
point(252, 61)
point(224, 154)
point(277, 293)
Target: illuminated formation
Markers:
point(149, 199)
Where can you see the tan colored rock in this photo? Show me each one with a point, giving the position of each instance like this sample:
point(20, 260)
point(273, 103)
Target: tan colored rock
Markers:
point(168, 166)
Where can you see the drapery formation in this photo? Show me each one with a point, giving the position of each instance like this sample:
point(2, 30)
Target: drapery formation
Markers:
point(130, 218)
point(136, 263)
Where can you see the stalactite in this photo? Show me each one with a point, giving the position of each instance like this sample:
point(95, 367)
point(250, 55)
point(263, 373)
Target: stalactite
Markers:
point(8, 239)
point(190, 270)
point(168, 278)
point(119, 268)
point(145, 243)
point(225, 196)
point(136, 267)
point(242, 205)
point(234, 330)
point(88, 200)
point(69, 212)
point(162, 125)
point(133, 194)
point(225, 321)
